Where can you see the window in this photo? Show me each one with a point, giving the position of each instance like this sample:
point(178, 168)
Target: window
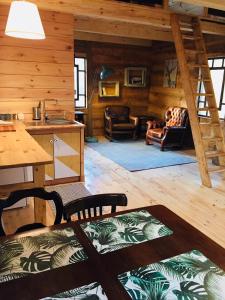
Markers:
point(217, 69)
point(80, 82)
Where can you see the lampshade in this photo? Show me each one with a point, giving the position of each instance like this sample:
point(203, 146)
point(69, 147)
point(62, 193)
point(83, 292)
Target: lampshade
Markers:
point(24, 21)
point(105, 73)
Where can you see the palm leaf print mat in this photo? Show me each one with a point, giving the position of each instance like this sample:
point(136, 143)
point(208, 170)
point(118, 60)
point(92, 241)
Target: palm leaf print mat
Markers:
point(91, 291)
point(189, 276)
point(122, 231)
point(34, 254)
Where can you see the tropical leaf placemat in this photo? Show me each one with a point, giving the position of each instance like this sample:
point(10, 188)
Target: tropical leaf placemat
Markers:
point(189, 276)
point(91, 291)
point(34, 254)
point(121, 231)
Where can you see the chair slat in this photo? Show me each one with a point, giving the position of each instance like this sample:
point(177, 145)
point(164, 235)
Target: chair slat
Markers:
point(95, 211)
point(100, 210)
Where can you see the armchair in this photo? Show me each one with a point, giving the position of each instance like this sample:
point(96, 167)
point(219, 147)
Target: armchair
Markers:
point(119, 121)
point(171, 132)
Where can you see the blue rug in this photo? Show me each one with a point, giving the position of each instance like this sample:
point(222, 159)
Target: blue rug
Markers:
point(137, 156)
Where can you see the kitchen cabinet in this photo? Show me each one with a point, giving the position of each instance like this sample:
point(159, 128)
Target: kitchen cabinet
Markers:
point(65, 148)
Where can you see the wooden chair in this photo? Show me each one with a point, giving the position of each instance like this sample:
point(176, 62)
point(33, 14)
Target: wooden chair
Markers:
point(88, 205)
point(38, 193)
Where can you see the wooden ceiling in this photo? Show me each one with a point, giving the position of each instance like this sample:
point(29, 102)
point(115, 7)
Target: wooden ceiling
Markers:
point(113, 21)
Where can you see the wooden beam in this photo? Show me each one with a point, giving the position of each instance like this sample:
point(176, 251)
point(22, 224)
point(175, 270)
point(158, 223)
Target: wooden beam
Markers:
point(165, 4)
point(110, 10)
point(85, 36)
point(217, 4)
point(121, 29)
point(212, 28)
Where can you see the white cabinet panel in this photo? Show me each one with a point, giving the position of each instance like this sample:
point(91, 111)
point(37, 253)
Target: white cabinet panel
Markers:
point(61, 148)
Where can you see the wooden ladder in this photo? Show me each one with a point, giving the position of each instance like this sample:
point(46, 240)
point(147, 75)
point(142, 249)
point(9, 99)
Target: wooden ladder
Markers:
point(193, 61)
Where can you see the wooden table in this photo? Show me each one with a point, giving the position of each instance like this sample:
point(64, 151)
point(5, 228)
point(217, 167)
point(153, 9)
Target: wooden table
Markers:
point(105, 268)
point(19, 149)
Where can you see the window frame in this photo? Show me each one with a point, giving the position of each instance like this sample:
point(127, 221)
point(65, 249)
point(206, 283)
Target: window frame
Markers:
point(221, 101)
point(78, 94)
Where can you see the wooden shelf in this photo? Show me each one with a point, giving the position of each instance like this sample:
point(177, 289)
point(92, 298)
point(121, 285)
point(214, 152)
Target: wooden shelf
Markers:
point(109, 89)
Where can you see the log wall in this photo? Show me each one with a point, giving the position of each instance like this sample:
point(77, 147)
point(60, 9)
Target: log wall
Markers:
point(116, 57)
point(31, 71)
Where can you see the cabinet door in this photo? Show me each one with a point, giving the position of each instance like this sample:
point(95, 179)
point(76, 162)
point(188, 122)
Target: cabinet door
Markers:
point(67, 154)
point(47, 143)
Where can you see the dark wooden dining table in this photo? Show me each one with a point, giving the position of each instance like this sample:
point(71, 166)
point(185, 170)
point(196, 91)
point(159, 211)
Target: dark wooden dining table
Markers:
point(104, 268)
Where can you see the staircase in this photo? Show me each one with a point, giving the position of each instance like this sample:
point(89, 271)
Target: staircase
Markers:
point(193, 61)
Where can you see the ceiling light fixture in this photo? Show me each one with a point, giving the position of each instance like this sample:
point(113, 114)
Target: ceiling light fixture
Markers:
point(24, 21)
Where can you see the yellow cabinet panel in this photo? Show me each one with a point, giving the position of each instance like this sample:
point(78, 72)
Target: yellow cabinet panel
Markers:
point(47, 143)
point(66, 150)
point(67, 154)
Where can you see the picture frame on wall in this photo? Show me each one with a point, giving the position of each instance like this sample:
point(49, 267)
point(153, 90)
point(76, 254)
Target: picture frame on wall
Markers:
point(170, 73)
point(135, 77)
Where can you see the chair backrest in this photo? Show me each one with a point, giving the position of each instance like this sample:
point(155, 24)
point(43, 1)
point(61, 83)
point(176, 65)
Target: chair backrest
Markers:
point(176, 116)
point(91, 206)
point(120, 113)
point(38, 193)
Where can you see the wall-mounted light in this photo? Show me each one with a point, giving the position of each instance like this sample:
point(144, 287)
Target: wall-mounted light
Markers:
point(105, 72)
point(24, 21)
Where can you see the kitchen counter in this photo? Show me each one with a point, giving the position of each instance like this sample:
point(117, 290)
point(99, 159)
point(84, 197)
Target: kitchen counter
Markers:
point(18, 148)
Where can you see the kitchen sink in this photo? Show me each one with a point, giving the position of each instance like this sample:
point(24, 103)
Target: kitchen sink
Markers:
point(59, 122)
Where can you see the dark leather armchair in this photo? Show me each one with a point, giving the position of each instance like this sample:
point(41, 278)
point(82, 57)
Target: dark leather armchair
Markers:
point(175, 131)
point(118, 121)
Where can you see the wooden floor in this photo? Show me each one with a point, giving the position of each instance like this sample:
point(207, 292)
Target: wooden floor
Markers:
point(177, 187)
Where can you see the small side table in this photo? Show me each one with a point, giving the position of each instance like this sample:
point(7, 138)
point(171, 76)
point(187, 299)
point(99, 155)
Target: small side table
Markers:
point(142, 126)
point(79, 116)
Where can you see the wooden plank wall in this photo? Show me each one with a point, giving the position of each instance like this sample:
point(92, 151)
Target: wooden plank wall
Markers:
point(160, 98)
point(31, 71)
point(116, 57)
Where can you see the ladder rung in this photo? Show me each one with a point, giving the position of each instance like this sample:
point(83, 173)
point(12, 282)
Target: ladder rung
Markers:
point(203, 94)
point(210, 124)
point(216, 169)
point(207, 109)
point(191, 37)
point(197, 66)
point(211, 154)
point(194, 50)
point(201, 79)
point(211, 139)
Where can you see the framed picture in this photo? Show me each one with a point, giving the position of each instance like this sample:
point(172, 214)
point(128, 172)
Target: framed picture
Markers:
point(170, 73)
point(135, 77)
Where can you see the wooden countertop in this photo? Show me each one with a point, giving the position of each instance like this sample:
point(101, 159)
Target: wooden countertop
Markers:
point(19, 149)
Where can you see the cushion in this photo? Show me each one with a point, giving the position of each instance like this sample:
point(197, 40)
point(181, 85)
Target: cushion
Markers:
point(157, 132)
point(123, 126)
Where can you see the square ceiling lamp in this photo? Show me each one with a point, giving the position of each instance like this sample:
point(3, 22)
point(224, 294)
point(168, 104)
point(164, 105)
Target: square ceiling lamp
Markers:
point(24, 21)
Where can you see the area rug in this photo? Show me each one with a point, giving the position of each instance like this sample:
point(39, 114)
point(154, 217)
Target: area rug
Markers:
point(137, 156)
point(69, 192)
